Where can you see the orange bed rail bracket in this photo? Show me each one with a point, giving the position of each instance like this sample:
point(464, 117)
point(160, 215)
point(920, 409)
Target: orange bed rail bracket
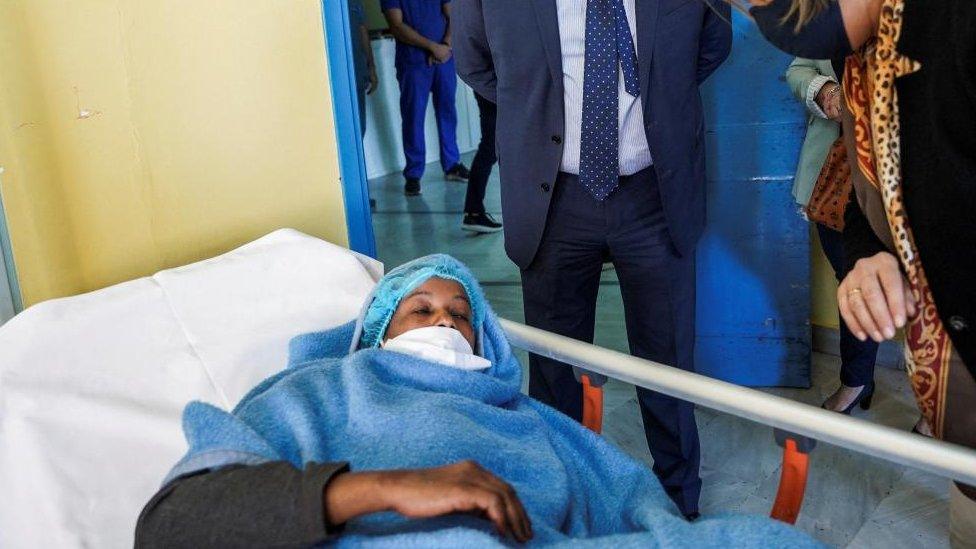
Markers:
point(793, 481)
point(592, 405)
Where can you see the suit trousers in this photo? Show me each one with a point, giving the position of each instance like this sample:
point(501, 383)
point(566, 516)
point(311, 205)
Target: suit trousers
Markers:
point(560, 289)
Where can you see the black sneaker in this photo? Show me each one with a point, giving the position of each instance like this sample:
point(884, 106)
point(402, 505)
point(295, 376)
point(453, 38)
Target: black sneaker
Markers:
point(459, 172)
point(412, 187)
point(480, 223)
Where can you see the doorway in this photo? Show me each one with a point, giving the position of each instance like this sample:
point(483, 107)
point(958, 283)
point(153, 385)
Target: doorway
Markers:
point(753, 263)
point(382, 220)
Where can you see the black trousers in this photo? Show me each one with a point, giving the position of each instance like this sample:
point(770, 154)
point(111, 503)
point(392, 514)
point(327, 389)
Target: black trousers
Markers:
point(484, 159)
point(856, 357)
point(658, 286)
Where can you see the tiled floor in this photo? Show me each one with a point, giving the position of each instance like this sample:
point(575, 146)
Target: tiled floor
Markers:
point(851, 500)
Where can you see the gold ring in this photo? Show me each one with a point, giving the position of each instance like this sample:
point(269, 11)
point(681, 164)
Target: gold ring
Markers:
point(853, 292)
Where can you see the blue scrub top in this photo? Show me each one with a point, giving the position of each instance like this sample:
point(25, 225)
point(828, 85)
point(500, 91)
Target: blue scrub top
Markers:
point(425, 17)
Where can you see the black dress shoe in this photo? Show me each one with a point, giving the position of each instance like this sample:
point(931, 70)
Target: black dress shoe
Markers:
point(480, 223)
point(411, 187)
point(458, 172)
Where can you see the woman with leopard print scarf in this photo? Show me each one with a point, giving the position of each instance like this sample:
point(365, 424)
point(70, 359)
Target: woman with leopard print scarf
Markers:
point(910, 229)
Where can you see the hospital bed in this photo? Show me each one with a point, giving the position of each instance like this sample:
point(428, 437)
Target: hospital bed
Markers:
point(92, 386)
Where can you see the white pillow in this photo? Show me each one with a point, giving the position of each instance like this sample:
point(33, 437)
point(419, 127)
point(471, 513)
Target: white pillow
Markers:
point(92, 386)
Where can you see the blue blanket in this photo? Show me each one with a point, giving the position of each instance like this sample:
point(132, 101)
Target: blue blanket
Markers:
point(379, 409)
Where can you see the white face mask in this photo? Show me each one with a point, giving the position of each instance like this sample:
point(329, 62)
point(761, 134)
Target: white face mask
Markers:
point(438, 344)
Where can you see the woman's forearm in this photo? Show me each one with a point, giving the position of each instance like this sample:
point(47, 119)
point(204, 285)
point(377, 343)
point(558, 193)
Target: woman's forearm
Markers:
point(352, 495)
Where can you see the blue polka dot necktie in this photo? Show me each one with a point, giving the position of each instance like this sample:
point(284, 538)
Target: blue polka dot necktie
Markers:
point(608, 45)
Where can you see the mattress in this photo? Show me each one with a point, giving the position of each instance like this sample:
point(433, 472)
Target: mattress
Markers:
point(92, 386)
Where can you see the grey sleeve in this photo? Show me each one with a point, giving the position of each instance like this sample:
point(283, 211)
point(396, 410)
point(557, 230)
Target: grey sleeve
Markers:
point(472, 55)
point(241, 505)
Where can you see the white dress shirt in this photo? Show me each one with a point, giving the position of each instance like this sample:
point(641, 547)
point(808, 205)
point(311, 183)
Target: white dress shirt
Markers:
point(634, 153)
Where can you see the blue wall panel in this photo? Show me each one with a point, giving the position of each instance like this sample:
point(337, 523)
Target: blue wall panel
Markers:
point(753, 261)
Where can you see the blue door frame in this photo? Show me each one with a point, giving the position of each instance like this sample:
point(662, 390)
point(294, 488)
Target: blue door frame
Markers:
point(345, 105)
point(10, 300)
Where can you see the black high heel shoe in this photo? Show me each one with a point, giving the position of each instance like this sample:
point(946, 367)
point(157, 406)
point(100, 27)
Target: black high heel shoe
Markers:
point(917, 432)
point(864, 398)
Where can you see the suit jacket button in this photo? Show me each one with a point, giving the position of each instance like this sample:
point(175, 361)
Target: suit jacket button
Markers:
point(958, 323)
point(545, 187)
point(557, 139)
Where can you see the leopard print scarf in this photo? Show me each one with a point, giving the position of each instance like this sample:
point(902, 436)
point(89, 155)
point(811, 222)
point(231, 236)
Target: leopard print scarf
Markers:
point(869, 89)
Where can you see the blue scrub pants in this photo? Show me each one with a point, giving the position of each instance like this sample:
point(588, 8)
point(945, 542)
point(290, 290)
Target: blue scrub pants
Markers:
point(417, 83)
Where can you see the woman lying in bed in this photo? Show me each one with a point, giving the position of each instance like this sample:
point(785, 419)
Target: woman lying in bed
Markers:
point(407, 427)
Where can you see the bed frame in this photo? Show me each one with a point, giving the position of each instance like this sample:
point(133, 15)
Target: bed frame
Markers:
point(796, 426)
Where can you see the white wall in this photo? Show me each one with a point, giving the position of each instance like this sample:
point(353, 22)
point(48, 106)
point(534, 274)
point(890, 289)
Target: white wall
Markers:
point(383, 144)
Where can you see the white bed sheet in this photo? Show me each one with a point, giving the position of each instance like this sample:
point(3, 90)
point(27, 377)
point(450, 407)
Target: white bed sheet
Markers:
point(92, 386)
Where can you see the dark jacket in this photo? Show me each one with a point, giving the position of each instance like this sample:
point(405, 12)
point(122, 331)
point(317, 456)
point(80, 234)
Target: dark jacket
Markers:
point(269, 505)
point(937, 111)
point(508, 51)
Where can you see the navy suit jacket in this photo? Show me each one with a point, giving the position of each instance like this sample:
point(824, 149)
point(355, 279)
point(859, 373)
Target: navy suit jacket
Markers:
point(509, 52)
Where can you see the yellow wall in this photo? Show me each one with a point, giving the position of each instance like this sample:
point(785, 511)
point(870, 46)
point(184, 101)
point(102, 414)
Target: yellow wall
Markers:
point(137, 135)
point(823, 286)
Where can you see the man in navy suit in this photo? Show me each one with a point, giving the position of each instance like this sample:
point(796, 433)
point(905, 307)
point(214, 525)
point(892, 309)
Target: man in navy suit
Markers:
point(600, 137)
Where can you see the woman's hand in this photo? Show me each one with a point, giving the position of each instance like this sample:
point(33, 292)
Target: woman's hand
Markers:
point(875, 298)
point(828, 99)
point(463, 487)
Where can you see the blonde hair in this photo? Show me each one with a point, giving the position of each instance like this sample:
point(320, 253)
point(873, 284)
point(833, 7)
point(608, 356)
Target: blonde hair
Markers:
point(804, 11)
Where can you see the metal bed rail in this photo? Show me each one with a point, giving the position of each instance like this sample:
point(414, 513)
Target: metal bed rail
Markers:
point(941, 458)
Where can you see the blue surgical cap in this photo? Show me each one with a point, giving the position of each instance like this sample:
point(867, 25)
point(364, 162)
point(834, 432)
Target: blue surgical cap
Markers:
point(399, 282)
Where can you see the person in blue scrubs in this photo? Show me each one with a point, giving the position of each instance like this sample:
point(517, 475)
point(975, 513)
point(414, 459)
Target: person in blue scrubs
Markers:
point(425, 66)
